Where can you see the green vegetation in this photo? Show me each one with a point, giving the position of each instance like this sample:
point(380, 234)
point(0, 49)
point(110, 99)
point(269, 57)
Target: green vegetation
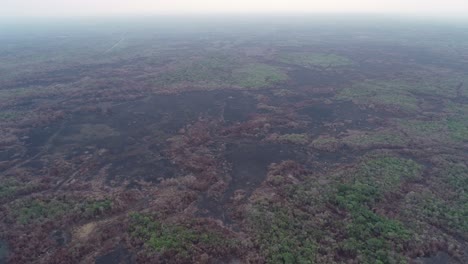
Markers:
point(452, 129)
point(424, 129)
point(300, 139)
point(443, 202)
point(93, 208)
point(269, 108)
point(446, 214)
point(386, 172)
point(95, 131)
point(9, 115)
point(38, 210)
point(440, 84)
point(458, 129)
point(386, 93)
point(286, 233)
point(377, 175)
point(181, 240)
point(452, 211)
point(326, 143)
point(284, 237)
point(214, 72)
point(257, 75)
point(455, 175)
point(377, 138)
point(374, 237)
point(457, 122)
point(209, 70)
point(8, 189)
point(20, 92)
point(284, 93)
point(306, 59)
point(401, 94)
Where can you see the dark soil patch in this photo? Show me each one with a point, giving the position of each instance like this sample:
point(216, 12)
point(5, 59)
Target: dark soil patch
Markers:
point(249, 166)
point(119, 255)
point(344, 155)
point(3, 252)
point(60, 237)
point(439, 258)
point(250, 163)
point(38, 138)
point(345, 112)
point(133, 135)
point(141, 167)
point(239, 108)
point(9, 153)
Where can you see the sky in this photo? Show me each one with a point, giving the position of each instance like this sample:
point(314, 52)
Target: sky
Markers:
point(33, 8)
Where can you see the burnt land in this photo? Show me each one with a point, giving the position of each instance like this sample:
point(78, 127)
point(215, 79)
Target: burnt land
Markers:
point(304, 142)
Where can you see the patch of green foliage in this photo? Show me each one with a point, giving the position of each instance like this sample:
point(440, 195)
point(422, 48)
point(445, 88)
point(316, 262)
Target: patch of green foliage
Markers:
point(372, 236)
point(301, 228)
point(283, 237)
point(375, 238)
point(9, 188)
point(299, 139)
point(445, 85)
point(284, 93)
point(456, 176)
point(308, 60)
point(94, 132)
point(386, 172)
point(402, 94)
point(9, 115)
point(387, 93)
point(212, 72)
point(208, 70)
point(269, 108)
point(444, 203)
point(456, 109)
point(325, 143)
point(457, 121)
point(458, 129)
point(21, 92)
point(452, 211)
point(257, 75)
point(162, 237)
point(453, 129)
point(453, 215)
point(386, 137)
point(93, 208)
point(37, 210)
point(356, 195)
point(424, 129)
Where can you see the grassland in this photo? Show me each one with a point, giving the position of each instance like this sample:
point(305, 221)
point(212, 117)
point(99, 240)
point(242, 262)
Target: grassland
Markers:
point(222, 72)
point(380, 138)
point(310, 60)
point(392, 94)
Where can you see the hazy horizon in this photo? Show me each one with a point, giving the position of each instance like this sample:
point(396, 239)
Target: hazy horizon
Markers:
point(75, 8)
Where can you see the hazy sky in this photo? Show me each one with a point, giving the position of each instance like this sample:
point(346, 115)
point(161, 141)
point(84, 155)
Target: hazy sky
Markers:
point(97, 7)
